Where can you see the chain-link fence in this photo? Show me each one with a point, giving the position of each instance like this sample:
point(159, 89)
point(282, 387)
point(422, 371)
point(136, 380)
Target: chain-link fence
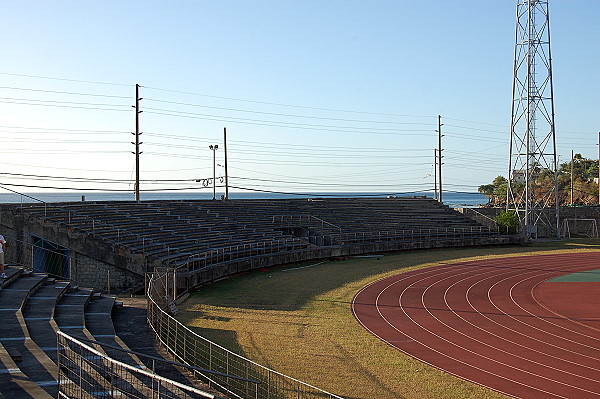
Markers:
point(195, 350)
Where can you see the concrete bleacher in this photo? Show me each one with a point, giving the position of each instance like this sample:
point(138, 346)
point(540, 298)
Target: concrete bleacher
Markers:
point(33, 307)
point(138, 236)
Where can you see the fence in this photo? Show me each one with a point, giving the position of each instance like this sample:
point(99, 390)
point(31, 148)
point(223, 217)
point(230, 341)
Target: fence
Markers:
point(195, 350)
point(412, 234)
point(84, 372)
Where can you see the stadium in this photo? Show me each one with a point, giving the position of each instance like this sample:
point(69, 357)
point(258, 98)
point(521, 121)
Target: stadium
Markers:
point(351, 248)
point(67, 258)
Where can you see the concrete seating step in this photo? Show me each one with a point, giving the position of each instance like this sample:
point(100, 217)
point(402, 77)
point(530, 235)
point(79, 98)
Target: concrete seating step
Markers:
point(70, 312)
point(14, 383)
point(98, 316)
point(39, 316)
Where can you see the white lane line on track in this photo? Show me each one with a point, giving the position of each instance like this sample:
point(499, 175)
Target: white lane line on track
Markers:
point(539, 329)
point(527, 335)
point(510, 366)
point(561, 315)
point(483, 314)
point(422, 273)
point(505, 339)
point(520, 322)
point(453, 358)
point(420, 359)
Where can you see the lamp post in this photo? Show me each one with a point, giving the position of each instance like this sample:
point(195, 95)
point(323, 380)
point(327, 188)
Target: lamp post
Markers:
point(214, 150)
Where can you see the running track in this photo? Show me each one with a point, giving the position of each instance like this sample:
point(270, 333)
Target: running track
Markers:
point(495, 322)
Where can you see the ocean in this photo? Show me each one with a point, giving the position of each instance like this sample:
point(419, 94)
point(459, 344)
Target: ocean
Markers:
point(452, 199)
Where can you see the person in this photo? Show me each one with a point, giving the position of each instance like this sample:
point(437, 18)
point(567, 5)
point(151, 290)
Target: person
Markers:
point(2, 249)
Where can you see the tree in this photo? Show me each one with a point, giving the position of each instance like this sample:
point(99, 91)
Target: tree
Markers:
point(585, 190)
point(487, 190)
point(508, 222)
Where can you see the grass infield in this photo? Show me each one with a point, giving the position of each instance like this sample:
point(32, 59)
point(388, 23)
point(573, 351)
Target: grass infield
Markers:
point(296, 319)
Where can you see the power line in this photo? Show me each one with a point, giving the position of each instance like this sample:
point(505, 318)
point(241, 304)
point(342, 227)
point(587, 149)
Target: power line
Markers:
point(97, 189)
point(63, 92)
point(271, 121)
point(285, 105)
point(294, 126)
point(64, 79)
point(286, 115)
point(60, 102)
point(46, 129)
point(271, 144)
point(92, 179)
point(64, 106)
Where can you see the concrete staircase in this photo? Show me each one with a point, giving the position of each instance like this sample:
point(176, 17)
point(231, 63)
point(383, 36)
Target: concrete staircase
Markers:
point(32, 307)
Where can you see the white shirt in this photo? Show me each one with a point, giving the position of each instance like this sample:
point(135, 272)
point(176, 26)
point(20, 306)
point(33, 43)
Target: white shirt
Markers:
point(2, 242)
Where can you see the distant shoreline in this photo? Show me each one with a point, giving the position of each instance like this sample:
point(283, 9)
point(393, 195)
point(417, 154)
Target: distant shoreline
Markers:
point(452, 199)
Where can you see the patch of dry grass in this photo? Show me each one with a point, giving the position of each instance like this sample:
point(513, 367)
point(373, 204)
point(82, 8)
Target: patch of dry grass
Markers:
point(299, 322)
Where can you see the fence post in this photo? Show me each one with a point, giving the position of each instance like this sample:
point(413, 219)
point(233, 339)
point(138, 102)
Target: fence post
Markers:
point(174, 284)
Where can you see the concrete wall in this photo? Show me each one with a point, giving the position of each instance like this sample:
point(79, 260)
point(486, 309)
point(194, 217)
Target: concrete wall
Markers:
point(485, 216)
point(193, 278)
point(93, 261)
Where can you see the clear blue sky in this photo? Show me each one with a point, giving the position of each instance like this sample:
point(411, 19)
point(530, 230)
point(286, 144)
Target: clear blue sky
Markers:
point(338, 95)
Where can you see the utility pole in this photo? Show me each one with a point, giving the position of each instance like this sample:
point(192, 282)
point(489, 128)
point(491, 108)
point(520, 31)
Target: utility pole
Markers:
point(137, 141)
point(598, 168)
point(435, 173)
point(214, 150)
point(440, 156)
point(225, 150)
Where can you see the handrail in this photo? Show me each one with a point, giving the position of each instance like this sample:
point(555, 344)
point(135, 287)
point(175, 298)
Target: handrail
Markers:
point(114, 362)
point(326, 222)
point(301, 216)
point(481, 214)
point(154, 358)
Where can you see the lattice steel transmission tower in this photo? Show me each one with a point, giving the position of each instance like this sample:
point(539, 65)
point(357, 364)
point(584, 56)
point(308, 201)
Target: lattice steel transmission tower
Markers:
point(532, 171)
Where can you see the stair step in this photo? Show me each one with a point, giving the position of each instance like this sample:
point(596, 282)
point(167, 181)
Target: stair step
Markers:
point(15, 354)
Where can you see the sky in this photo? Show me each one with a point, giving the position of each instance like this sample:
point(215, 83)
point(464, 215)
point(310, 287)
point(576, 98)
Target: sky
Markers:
point(316, 95)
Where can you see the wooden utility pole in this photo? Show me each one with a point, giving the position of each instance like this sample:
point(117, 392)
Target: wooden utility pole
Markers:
point(440, 155)
point(225, 150)
point(598, 168)
point(435, 173)
point(137, 141)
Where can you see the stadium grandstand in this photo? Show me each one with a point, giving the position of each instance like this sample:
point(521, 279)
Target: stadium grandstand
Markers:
point(66, 259)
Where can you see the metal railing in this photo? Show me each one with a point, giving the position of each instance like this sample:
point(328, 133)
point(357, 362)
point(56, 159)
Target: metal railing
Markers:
point(84, 371)
point(310, 219)
point(253, 250)
point(412, 234)
point(242, 251)
point(193, 349)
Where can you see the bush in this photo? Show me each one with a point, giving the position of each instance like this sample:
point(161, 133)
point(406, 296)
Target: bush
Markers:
point(508, 222)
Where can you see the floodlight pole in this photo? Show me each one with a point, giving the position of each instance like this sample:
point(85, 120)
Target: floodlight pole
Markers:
point(214, 150)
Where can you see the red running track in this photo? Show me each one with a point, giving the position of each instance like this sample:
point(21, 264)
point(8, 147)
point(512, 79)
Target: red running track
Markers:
point(483, 321)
